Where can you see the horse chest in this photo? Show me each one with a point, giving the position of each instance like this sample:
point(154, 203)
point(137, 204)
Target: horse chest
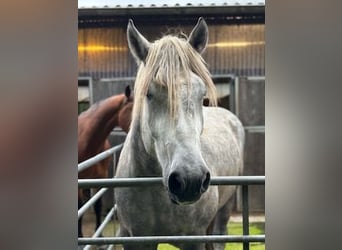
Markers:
point(148, 210)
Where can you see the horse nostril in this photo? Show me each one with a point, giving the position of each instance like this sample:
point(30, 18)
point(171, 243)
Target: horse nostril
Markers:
point(206, 182)
point(176, 183)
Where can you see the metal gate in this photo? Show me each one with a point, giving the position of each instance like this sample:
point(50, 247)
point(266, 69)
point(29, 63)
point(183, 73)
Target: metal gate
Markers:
point(104, 184)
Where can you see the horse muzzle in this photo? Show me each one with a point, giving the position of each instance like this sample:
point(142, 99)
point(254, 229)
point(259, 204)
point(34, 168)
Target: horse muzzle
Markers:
point(187, 189)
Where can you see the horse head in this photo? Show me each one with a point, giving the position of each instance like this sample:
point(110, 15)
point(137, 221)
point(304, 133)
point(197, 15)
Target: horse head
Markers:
point(171, 83)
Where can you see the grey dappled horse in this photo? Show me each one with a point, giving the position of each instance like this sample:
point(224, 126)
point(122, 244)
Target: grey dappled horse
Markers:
point(172, 135)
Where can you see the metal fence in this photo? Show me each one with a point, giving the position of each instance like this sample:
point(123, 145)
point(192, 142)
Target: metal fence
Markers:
point(104, 184)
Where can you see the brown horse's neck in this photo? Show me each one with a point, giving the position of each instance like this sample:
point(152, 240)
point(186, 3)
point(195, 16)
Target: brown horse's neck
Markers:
point(96, 123)
point(125, 116)
point(109, 113)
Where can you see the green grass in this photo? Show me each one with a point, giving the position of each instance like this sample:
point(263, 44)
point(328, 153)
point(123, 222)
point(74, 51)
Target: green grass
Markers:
point(254, 228)
point(234, 228)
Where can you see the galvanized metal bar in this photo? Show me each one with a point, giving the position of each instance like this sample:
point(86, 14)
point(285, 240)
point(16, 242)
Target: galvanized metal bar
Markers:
point(256, 78)
point(232, 103)
point(236, 96)
point(111, 247)
point(171, 239)
point(120, 182)
point(99, 157)
point(148, 181)
point(119, 79)
point(106, 220)
point(91, 94)
point(238, 180)
point(100, 229)
point(255, 129)
point(245, 215)
point(91, 201)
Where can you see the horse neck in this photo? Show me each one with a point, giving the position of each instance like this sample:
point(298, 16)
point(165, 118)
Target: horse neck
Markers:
point(107, 114)
point(124, 116)
point(101, 120)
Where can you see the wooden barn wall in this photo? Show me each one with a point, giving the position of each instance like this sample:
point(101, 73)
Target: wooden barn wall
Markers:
point(251, 101)
point(104, 88)
point(233, 49)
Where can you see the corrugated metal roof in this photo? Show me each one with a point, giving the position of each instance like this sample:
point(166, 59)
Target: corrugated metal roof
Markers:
point(88, 4)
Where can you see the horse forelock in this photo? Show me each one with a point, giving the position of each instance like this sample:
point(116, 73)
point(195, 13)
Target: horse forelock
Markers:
point(169, 63)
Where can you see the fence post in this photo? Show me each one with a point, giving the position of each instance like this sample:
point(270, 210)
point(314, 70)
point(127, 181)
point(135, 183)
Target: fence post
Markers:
point(245, 215)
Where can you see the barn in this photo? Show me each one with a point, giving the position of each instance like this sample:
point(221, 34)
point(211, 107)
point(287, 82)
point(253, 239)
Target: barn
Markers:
point(235, 58)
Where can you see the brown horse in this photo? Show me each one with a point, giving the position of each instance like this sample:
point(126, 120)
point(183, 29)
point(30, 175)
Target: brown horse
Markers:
point(94, 127)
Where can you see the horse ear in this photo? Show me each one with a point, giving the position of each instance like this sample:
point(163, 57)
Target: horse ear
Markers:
point(137, 43)
point(128, 91)
point(198, 37)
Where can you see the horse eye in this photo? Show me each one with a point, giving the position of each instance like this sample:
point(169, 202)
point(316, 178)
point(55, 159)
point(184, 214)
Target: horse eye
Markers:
point(149, 96)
